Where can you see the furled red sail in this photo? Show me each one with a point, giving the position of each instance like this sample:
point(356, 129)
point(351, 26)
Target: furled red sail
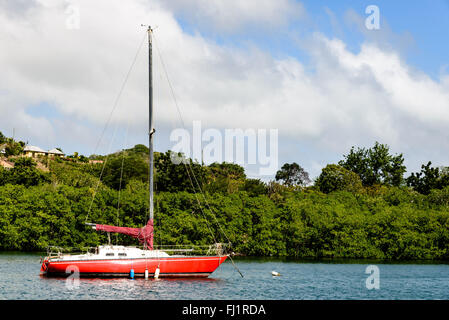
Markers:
point(145, 234)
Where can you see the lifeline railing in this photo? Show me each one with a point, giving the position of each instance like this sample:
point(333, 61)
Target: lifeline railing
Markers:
point(55, 251)
point(213, 249)
point(188, 249)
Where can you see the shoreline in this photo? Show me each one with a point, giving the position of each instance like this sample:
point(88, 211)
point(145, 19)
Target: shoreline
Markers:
point(262, 259)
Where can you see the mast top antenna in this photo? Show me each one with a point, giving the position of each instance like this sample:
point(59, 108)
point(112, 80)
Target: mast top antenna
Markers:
point(148, 26)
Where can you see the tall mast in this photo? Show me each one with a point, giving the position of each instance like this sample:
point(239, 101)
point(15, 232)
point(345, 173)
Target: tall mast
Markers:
point(150, 93)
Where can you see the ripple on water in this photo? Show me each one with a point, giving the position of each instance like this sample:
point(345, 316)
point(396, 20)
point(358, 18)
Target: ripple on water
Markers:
point(19, 279)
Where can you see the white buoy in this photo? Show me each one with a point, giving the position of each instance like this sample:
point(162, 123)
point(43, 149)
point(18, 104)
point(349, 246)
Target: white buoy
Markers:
point(146, 274)
point(156, 273)
point(275, 274)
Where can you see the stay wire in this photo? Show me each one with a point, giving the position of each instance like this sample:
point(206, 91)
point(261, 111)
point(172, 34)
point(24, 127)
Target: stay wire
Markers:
point(196, 196)
point(109, 119)
point(183, 125)
point(121, 179)
point(188, 173)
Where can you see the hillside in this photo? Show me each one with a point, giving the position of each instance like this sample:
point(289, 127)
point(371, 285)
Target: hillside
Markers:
point(340, 215)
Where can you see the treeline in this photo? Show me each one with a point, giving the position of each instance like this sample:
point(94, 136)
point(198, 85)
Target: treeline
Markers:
point(362, 207)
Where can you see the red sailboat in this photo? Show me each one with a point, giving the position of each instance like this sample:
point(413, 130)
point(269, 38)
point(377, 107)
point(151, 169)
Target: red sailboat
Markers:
point(117, 261)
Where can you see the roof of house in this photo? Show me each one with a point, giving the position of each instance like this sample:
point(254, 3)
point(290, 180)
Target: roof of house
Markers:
point(55, 151)
point(34, 149)
point(95, 161)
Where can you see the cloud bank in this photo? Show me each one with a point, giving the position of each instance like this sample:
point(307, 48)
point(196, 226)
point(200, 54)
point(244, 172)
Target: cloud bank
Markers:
point(336, 100)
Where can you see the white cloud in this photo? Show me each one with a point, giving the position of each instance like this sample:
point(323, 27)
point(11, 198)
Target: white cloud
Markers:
point(235, 15)
point(348, 99)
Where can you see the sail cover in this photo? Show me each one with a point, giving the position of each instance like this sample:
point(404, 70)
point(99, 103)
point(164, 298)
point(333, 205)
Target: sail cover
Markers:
point(145, 234)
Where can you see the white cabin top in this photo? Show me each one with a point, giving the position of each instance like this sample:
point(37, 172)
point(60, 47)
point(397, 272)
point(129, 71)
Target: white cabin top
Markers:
point(108, 252)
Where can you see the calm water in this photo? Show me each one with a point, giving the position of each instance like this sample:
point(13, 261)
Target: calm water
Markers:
point(19, 279)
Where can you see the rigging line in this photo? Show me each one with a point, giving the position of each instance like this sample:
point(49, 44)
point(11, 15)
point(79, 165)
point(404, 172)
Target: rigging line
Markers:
point(120, 92)
point(183, 125)
point(109, 119)
point(182, 122)
point(230, 258)
point(208, 206)
point(190, 178)
point(199, 203)
point(101, 174)
point(121, 178)
point(207, 203)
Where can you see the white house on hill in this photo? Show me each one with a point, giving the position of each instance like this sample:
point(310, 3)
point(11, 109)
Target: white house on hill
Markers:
point(55, 152)
point(33, 151)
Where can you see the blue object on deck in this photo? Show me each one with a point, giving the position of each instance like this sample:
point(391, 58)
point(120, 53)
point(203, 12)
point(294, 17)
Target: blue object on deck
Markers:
point(131, 274)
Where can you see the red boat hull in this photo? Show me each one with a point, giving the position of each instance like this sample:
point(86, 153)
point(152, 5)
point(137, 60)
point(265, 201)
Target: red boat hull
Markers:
point(169, 267)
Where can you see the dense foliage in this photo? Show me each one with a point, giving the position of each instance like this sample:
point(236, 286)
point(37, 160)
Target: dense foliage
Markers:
point(292, 175)
point(11, 147)
point(429, 179)
point(23, 173)
point(375, 165)
point(336, 178)
point(339, 216)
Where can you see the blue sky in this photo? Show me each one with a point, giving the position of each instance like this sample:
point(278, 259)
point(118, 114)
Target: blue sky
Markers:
point(308, 68)
point(425, 23)
point(417, 30)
